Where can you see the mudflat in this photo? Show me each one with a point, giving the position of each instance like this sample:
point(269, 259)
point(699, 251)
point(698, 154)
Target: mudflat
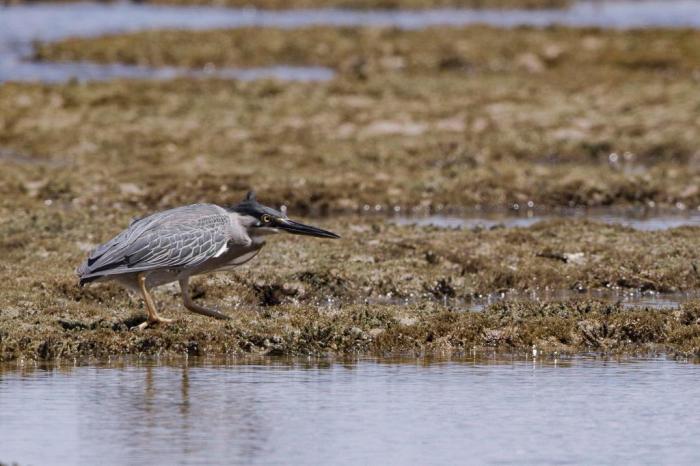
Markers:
point(568, 118)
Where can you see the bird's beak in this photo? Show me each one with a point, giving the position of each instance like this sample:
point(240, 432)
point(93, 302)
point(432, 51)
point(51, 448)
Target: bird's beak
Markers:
point(297, 228)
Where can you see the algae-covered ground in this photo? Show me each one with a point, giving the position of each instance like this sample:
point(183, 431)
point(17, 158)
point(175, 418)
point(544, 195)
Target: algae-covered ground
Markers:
point(414, 120)
point(478, 49)
point(305, 296)
point(454, 117)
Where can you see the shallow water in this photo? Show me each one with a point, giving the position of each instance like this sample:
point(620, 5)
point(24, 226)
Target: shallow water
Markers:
point(644, 220)
point(22, 70)
point(631, 299)
point(20, 25)
point(626, 298)
point(367, 412)
point(54, 21)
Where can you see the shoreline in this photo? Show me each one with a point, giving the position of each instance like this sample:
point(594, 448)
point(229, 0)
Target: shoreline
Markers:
point(554, 329)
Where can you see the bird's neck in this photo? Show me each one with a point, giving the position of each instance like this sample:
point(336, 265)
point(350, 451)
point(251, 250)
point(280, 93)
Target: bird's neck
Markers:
point(257, 240)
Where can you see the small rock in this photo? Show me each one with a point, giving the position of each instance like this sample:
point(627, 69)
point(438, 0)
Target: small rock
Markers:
point(130, 188)
point(530, 62)
point(34, 187)
point(575, 258)
point(359, 228)
point(690, 191)
point(387, 127)
point(362, 259)
point(407, 321)
point(552, 52)
point(451, 124)
point(394, 62)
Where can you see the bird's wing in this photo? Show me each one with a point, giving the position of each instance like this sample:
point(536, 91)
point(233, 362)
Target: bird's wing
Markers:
point(182, 237)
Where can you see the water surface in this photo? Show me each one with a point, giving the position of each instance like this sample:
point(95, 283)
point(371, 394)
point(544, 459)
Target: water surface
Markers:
point(50, 72)
point(627, 298)
point(49, 21)
point(638, 219)
point(363, 412)
point(631, 299)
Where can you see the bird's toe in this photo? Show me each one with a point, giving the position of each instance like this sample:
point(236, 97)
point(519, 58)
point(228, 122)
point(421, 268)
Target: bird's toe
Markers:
point(151, 323)
point(140, 326)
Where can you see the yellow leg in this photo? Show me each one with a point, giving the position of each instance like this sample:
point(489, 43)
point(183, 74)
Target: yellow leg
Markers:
point(153, 317)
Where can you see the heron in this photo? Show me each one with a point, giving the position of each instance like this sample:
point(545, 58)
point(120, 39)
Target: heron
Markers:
point(176, 244)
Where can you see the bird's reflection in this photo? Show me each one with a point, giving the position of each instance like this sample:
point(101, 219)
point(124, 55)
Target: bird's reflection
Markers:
point(158, 411)
point(185, 392)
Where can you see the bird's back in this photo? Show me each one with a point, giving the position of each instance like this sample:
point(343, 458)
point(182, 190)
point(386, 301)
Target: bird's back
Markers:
point(180, 237)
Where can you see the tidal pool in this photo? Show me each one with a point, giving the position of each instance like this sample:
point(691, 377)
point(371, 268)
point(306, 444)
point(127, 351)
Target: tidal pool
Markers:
point(581, 410)
point(50, 72)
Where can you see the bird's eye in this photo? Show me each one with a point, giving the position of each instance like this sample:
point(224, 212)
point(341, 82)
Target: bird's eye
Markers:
point(266, 218)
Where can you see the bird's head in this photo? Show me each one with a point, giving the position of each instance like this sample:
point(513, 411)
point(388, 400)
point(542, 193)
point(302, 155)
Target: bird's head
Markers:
point(261, 220)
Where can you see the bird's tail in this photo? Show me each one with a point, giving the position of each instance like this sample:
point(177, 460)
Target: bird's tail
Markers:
point(83, 273)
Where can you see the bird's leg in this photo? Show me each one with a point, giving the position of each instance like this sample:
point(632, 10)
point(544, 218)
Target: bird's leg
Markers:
point(153, 317)
point(194, 307)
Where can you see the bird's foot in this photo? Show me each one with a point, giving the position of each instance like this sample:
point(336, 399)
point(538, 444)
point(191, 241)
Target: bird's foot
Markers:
point(152, 322)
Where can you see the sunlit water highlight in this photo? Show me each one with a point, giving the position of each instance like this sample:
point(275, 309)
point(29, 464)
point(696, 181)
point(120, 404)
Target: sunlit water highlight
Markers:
point(631, 299)
point(20, 25)
point(643, 220)
point(367, 412)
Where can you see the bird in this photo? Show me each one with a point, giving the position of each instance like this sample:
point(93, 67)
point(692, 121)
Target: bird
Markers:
point(176, 244)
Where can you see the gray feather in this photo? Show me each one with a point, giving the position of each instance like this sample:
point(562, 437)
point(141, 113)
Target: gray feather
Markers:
point(181, 237)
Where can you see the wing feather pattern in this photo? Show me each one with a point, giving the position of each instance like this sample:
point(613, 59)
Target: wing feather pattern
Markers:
point(184, 236)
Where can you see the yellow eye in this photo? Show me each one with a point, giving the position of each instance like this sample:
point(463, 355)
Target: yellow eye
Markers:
point(266, 218)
